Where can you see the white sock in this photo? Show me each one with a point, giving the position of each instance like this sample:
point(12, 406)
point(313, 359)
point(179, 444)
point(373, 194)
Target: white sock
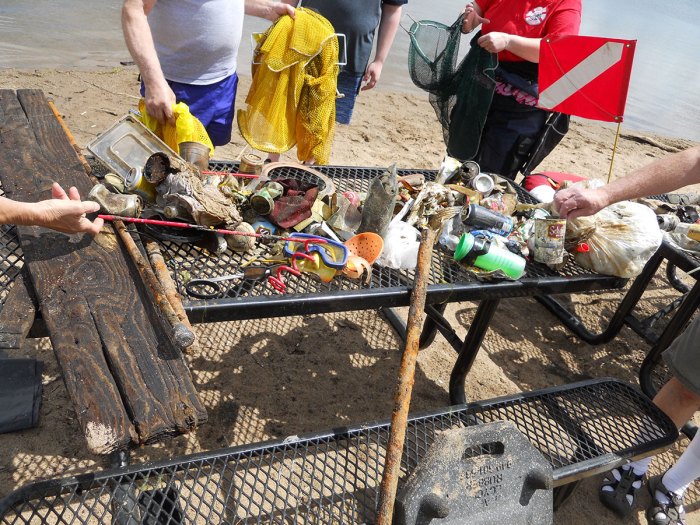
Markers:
point(640, 466)
point(684, 472)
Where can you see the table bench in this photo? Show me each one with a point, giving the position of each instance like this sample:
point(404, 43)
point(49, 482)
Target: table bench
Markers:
point(334, 476)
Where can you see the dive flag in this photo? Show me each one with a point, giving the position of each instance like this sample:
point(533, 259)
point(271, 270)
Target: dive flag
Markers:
point(586, 76)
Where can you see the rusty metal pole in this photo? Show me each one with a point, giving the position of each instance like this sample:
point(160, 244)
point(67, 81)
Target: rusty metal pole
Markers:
point(181, 333)
point(404, 387)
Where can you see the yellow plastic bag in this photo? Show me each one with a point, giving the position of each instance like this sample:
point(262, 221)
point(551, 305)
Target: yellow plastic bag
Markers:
point(187, 127)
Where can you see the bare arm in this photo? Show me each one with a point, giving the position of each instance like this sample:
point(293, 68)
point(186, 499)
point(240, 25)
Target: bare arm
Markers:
point(389, 23)
point(139, 40)
point(661, 176)
point(269, 9)
point(64, 212)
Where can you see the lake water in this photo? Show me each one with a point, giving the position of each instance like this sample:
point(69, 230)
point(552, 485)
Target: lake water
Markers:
point(663, 95)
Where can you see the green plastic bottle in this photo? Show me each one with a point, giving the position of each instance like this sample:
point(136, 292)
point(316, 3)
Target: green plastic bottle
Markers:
point(489, 257)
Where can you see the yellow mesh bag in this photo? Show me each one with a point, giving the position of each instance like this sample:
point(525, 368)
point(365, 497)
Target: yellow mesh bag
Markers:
point(292, 96)
point(187, 127)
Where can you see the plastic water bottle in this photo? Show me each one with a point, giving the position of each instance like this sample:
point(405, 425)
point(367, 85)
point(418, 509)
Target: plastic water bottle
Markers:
point(480, 252)
point(690, 230)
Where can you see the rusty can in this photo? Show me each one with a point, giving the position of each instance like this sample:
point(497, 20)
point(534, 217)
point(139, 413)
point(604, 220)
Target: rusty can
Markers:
point(251, 164)
point(549, 240)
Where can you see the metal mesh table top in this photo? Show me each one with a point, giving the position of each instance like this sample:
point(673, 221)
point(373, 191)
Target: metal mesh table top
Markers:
point(448, 280)
point(334, 476)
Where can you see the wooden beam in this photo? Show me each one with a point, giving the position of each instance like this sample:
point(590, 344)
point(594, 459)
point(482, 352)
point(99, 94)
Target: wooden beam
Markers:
point(17, 314)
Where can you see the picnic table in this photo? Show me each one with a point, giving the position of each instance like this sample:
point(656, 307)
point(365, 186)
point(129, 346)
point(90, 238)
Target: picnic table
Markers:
point(449, 282)
point(582, 429)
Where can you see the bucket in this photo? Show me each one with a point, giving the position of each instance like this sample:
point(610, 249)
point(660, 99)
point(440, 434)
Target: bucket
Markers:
point(195, 153)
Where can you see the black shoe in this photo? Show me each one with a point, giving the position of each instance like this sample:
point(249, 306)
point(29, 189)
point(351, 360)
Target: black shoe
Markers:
point(618, 491)
point(658, 513)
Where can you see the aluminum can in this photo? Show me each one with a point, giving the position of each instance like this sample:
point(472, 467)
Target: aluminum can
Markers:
point(479, 218)
point(549, 240)
point(251, 164)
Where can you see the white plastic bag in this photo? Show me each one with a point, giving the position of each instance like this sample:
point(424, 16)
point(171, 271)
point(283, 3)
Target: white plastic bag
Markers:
point(624, 237)
point(401, 244)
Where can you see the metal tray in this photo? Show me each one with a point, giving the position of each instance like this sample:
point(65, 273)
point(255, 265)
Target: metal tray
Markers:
point(126, 145)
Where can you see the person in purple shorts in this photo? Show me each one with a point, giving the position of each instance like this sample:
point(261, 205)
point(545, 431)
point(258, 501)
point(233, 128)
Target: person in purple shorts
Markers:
point(359, 20)
point(187, 50)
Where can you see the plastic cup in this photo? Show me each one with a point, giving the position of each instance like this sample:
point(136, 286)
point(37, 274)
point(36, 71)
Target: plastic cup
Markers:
point(491, 257)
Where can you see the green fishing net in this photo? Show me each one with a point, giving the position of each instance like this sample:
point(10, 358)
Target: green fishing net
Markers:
point(460, 92)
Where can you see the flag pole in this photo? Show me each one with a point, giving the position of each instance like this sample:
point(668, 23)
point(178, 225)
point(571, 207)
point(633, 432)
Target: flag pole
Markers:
point(612, 159)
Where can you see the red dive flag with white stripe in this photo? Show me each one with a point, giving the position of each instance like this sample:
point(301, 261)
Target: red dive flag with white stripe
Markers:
point(586, 76)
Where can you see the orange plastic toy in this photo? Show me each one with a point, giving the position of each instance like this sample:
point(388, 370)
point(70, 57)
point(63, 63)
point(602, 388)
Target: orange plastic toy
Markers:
point(363, 248)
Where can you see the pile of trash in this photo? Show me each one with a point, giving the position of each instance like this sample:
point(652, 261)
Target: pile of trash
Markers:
point(287, 219)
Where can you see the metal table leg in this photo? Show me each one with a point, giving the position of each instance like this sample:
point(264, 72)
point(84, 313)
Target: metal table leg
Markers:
point(467, 348)
point(470, 348)
point(430, 327)
point(630, 300)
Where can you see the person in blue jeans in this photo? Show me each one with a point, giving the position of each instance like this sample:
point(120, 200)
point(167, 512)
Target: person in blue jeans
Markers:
point(359, 21)
point(187, 51)
point(679, 398)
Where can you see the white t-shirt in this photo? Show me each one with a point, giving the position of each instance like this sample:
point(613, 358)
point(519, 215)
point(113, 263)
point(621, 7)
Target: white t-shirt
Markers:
point(197, 40)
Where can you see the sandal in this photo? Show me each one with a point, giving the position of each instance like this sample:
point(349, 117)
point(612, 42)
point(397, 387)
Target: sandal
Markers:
point(671, 513)
point(618, 491)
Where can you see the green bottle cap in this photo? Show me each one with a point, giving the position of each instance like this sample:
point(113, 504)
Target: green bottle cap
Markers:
point(464, 246)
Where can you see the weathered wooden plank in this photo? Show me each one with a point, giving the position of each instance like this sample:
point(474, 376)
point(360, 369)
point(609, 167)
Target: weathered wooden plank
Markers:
point(17, 314)
point(91, 285)
point(101, 412)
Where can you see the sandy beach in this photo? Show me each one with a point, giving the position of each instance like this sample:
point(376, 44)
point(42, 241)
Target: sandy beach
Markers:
point(272, 378)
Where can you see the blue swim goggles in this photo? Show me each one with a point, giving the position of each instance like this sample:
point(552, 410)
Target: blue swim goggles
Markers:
point(333, 253)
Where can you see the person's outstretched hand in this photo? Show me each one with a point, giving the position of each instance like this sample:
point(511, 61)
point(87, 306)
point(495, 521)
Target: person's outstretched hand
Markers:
point(67, 213)
point(371, 76)
point(472, 19)
point(575, 202)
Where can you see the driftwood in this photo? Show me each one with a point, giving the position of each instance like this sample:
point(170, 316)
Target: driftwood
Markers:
point(651, 142)
point(127, 381)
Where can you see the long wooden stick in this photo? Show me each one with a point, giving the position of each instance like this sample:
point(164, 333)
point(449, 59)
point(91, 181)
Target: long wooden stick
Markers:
point(404, 387)
point(181, 334)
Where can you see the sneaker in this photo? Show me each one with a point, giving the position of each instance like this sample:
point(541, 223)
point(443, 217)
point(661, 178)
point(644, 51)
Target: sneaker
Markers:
point(670, 513)
point(618, 491)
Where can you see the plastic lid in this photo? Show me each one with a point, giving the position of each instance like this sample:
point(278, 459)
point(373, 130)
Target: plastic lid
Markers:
point(464, 246)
